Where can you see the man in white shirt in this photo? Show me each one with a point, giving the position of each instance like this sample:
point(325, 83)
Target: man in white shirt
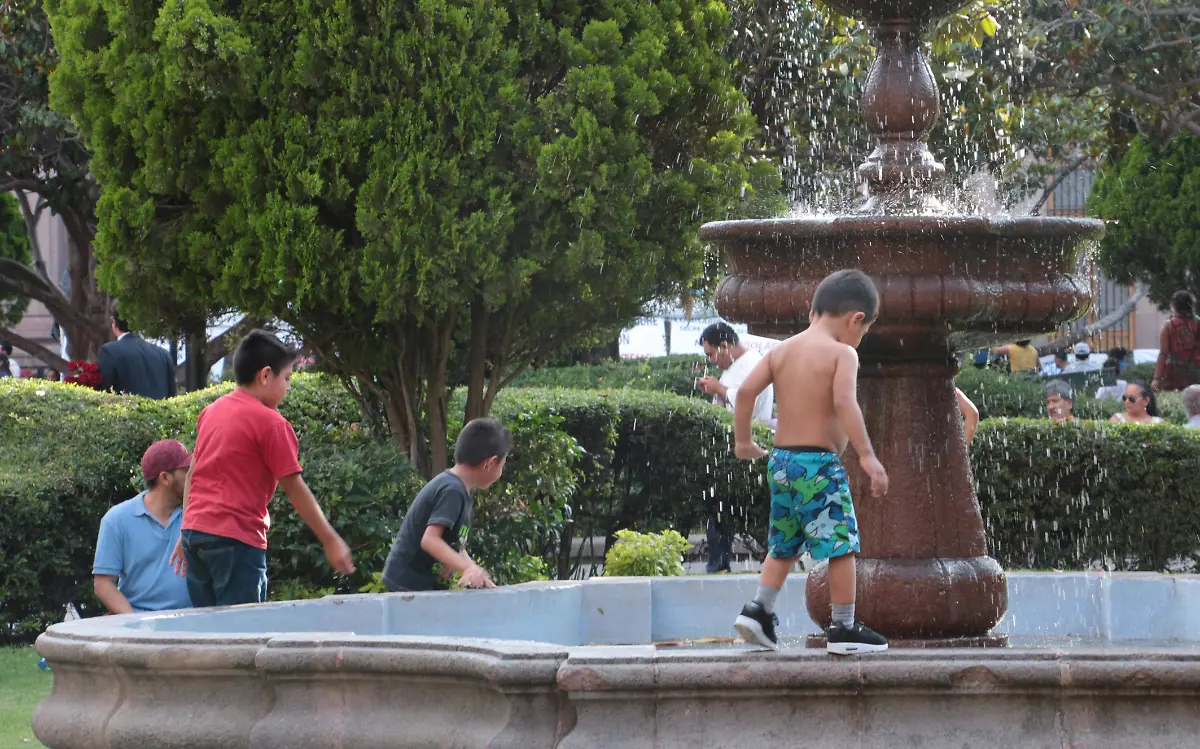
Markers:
point(724, 349)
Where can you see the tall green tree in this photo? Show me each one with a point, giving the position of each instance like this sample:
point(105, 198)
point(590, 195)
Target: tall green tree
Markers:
point(1152, 196)
point(429, 193)
point(14, 247)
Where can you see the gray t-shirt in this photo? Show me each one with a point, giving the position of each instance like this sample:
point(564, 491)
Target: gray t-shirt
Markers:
point(444, 501)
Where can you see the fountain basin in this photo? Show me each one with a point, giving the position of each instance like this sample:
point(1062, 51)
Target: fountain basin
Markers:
point(1099, 660)
point(945, 282)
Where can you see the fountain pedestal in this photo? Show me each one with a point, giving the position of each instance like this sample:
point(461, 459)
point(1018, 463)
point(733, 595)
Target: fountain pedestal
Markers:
point(927, 575)
point(946, 283)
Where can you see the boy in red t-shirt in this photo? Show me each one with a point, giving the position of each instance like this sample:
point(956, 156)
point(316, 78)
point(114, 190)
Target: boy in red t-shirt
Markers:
point(244, 449)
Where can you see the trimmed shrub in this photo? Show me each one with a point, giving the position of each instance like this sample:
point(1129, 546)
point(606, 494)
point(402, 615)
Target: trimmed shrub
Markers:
point(646, 554)
point(517, 525)
point(664, 374)
point(652, 461)
point(1072, 496)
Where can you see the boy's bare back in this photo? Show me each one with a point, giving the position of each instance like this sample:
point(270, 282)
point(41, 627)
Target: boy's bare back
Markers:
point(803, 370)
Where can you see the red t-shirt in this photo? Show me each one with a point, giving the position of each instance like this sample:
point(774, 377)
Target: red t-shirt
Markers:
point(243, 448)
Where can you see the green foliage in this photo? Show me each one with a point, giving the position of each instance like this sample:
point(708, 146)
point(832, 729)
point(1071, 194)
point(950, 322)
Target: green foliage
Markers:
point(14, 245)
point(1153, 196)
point(667, 374)
point(1073, 495)
point(646, 554)
point(518, 523)
point(651, 461)
point(399, 181)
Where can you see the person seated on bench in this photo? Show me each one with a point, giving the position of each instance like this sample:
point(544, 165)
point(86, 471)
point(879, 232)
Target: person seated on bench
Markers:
point(132, 570)
point(1060, 400)
point(1083, 361)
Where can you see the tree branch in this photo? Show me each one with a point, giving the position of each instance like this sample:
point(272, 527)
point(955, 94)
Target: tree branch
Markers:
point(31, 221)
point(1054, 183)
point(21, 279)
point(33, 349)
point(1104, 323)
point(1157, 101)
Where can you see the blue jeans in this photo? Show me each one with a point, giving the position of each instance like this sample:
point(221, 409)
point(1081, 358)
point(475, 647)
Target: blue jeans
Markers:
point(223, 571)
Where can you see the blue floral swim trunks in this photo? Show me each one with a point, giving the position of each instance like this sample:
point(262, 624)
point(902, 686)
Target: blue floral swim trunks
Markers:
point(810, 505)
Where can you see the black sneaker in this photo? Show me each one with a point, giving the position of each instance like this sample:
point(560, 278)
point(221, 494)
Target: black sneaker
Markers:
point(757, 627)
point(843, 640)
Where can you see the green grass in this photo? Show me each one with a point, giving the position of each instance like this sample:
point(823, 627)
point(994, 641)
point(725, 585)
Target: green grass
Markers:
point(22, 686)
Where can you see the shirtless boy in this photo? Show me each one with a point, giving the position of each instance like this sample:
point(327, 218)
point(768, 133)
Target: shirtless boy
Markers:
point(815, 375)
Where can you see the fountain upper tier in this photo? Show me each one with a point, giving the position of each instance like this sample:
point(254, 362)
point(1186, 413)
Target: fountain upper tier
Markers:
point(945, 282)
point(876, 11)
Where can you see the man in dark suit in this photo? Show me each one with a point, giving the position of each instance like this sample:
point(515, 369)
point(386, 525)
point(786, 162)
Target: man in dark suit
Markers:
point(130, 365)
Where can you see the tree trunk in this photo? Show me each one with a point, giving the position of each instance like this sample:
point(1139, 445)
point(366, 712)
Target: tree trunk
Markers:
point(477, 360)
point(196, 367)
point(437, 398)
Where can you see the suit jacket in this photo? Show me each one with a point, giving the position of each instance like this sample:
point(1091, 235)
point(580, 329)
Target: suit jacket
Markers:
point(130, 365)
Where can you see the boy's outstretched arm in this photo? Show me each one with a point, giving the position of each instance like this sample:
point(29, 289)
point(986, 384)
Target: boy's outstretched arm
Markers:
point(845, 404)
point(432, 543)
point(301, 497)
point(743, 410)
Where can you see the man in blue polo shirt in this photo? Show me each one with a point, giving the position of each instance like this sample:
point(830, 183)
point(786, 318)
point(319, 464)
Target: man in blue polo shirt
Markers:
point(132, 569)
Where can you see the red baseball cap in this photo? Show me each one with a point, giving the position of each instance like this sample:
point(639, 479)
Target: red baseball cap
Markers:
point(164, 456)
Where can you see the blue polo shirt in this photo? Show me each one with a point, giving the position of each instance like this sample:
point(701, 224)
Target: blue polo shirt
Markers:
point(137, 548)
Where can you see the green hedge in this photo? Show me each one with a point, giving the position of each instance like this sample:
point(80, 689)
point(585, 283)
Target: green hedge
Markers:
point(664, 374)
point(650, 461)
point(1070, 496)
point(995, 392)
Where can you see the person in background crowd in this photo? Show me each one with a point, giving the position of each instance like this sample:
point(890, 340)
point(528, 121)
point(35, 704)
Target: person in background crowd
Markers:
point(725, 350)
point(131, 365)
point(1118, 357)
point(1060, 402)
point(1179, 346)
point(53, 374)
point(1083, 360)
point(969, 413)
point(132, 571)
point(1022, 357)
point(1191, 404)
point(6, 361)
point(1113, 363)
point(1061, 362)
point(1141, 406)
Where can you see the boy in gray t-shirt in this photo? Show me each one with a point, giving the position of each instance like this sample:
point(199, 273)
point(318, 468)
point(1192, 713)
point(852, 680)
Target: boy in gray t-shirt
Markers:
point(437, 525)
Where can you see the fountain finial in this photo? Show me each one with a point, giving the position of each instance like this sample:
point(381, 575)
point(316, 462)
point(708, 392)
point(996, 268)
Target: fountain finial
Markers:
point(900, 105)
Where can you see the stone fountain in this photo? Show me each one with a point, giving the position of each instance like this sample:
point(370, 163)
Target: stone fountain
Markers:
point(946, 283)
point(1095, 660)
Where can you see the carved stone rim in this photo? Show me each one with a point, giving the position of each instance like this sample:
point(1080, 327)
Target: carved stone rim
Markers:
point(849, 227)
